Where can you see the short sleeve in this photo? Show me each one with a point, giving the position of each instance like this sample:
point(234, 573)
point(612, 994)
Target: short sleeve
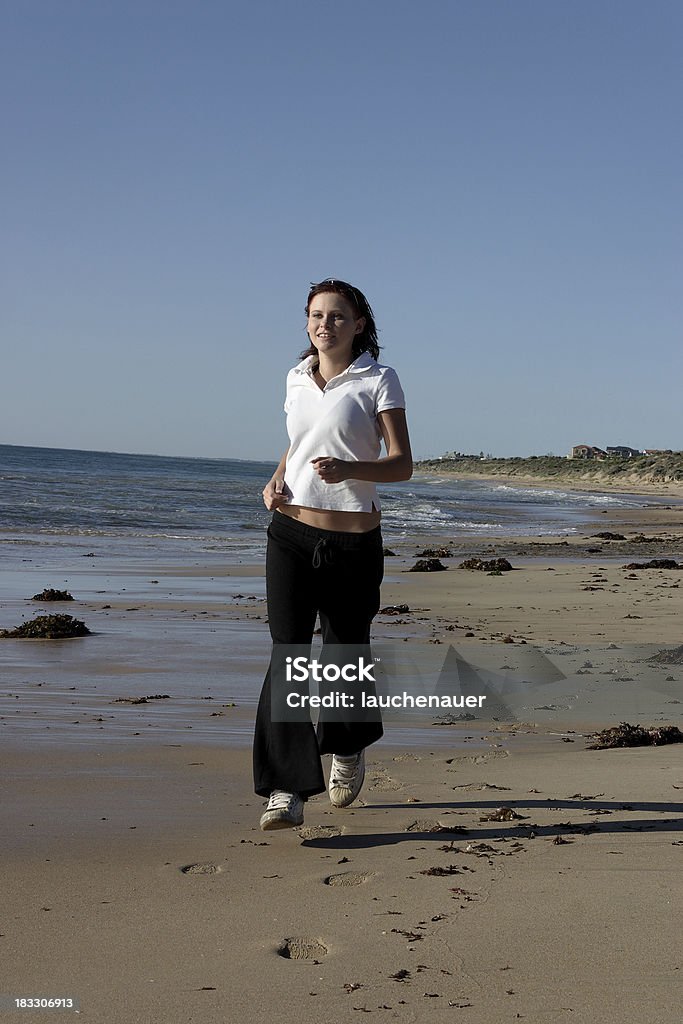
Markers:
point(389, 391)
point(288, 392)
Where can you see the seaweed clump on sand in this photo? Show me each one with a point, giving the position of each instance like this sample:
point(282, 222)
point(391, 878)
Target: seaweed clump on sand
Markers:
point(655, 563)
point(428, 565)
point(49, 594)
point(435, 553)
point(669, 657)
point(481, 565)
point(625, 735)
point(47, 627)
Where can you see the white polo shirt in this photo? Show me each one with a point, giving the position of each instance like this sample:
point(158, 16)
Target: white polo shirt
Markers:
point(339, 421)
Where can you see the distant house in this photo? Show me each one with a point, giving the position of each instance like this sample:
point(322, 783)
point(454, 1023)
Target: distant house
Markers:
point(657, 451)
point(587, 451)
point(461, 455)
point(620, 451)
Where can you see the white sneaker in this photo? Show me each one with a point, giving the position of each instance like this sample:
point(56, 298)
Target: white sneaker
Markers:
point(284, 810)
point(346, 778)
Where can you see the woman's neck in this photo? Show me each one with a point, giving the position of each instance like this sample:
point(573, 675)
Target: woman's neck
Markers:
point(329, 368)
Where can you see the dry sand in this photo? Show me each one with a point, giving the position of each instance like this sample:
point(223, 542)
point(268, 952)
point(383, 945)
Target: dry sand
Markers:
point(136, 879)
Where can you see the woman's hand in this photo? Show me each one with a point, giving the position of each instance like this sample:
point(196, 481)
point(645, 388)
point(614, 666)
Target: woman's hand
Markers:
point(275, 493)
point(332, 471)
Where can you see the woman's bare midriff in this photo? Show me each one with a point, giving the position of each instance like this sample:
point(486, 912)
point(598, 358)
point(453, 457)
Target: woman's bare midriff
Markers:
point(328, 519)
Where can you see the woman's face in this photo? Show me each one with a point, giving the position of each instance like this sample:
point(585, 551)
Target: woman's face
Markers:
point(333, 324)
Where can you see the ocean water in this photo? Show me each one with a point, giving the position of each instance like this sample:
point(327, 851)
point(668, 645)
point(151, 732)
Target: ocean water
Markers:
point(167, 508)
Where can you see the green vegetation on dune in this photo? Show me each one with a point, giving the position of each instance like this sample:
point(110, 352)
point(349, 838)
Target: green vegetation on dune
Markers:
point(645, 470)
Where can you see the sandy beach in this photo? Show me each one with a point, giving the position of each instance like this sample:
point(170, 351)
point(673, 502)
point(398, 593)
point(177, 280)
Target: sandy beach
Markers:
point(138, 883)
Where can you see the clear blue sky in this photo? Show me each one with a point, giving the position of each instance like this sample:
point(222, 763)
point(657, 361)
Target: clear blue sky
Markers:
point(502, 179)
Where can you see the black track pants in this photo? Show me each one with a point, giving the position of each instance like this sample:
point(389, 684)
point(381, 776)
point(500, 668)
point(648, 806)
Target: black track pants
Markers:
point(336, 575)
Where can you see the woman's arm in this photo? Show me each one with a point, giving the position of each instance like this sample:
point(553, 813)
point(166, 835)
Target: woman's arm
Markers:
point(396, 465)
point(275, 492)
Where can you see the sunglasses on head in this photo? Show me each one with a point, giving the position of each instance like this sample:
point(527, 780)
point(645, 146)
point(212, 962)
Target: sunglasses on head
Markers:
point(343, 286)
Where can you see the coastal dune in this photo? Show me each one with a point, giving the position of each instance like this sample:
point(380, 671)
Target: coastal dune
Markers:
point(656, 474)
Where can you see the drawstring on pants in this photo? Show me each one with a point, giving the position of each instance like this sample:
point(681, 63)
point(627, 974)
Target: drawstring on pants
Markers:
point(322, 553)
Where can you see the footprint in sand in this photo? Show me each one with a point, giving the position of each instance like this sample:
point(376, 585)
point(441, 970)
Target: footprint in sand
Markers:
point(348, 878)
point(201, 869)
point(319, 832)
point(298, 948)
point(382, 782)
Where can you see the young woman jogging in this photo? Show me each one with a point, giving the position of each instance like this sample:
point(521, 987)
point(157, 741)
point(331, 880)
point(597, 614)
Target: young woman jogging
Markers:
point(325, 552)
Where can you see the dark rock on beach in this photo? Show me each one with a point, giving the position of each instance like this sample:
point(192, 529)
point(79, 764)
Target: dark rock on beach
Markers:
point(428, 565)
point(626, 735)
point(655, 563)
point(492, 565)
point(435, 553)
point(47, 627)
point(49, 594)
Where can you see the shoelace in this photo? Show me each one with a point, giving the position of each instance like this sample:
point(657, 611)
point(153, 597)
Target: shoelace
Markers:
point(281, 801)
point(345, 769)
point(322, 553)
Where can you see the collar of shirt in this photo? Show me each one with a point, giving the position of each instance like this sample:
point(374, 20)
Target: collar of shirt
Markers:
point(362, 363)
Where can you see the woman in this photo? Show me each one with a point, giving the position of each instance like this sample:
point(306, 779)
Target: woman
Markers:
point(325, 553)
